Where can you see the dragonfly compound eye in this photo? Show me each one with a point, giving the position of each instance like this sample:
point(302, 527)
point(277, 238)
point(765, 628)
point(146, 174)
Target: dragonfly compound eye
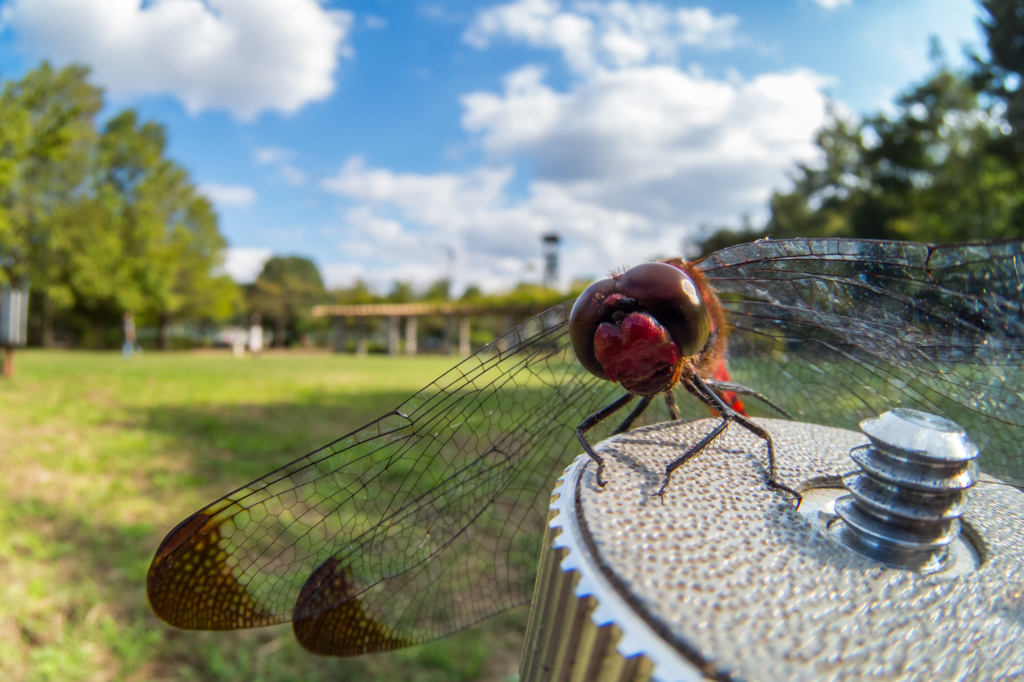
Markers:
point(634, 328)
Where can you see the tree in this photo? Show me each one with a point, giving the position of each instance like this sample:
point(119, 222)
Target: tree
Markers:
point(438, 290)
point(170, 243)
point(197, 249)
point(401, 292)
point(358, 293)
point(47, 135)
point(1003, 76)
point(935, 170)
point(285, 291)
point(100, 223)
point(472, 293)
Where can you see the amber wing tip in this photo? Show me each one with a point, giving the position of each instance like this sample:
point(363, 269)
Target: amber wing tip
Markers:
point(340, 624)
point(190, 585)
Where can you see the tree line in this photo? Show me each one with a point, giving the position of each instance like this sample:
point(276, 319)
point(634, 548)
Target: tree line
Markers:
point(947, 164)
point(98, 221)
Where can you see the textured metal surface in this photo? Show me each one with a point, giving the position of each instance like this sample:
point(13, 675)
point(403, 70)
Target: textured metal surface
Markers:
point(735, 575)
point(581, 627)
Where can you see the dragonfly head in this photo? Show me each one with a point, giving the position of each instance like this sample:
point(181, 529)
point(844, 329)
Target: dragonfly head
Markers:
point(636, 328)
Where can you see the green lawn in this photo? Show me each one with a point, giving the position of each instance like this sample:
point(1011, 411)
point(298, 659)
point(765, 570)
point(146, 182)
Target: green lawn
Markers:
point(101, 457)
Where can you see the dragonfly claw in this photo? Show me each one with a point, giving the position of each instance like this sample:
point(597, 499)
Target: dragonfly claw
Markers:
point(797, 497)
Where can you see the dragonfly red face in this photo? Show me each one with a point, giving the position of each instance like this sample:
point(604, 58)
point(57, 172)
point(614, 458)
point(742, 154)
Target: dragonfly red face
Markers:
point(429, 519)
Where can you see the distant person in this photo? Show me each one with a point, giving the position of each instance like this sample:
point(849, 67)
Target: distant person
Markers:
point(129, 336)
point(256, 335)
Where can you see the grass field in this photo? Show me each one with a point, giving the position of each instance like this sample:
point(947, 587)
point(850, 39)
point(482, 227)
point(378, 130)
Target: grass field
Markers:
point(101, 458)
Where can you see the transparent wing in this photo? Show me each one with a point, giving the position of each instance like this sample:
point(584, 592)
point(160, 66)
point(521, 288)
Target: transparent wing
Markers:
point(419, 524)
point(430, 518)
point(839, 330)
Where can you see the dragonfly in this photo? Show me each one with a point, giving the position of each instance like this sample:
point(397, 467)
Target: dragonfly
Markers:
point(430, 518)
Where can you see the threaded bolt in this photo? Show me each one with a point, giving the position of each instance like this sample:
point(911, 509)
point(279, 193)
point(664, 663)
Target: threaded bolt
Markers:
point(905, 504)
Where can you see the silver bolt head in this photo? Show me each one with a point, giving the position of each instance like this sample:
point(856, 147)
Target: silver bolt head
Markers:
point(919, 435)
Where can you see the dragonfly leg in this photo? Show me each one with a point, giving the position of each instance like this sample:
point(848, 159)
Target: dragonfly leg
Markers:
point(700, 388)
point(693, 451)
point(743, 390)
point(762, 433)
point(670, 402)
point(592, 421)
point(627, 423)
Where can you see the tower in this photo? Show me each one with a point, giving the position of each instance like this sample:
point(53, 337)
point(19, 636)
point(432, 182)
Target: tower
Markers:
point(551, 241)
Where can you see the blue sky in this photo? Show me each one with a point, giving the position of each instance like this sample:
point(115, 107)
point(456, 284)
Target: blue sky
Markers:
point(378, 137)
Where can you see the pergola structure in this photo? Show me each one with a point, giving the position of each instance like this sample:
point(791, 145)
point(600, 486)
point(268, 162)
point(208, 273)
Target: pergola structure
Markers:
point(454, 313)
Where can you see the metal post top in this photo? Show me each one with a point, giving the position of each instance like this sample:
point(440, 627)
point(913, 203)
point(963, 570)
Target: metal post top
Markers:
point(741, 582)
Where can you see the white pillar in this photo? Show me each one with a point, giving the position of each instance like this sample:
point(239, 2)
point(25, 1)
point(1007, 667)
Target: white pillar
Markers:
point(339, 334)
point(361, 342)
point(446, 345)
point(464, 336)
point(393, 335)
point(410, 335)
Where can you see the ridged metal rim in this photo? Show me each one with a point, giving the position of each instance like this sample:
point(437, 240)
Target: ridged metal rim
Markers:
point(638, 638)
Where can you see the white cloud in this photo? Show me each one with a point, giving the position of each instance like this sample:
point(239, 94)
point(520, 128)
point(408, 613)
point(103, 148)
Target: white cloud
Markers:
point(291, 174)
point(228, 195)
point(245, 56)
point(611, 35)
point(428, 199)
point(395, 252)
point(626, 165)
point(278, 157)
point(833, 4)
point(655, 141)
point(630, 159)
point(272, 155)
point(440, 13)
point(408, 218)
point(342, 275)
point(245, 263)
